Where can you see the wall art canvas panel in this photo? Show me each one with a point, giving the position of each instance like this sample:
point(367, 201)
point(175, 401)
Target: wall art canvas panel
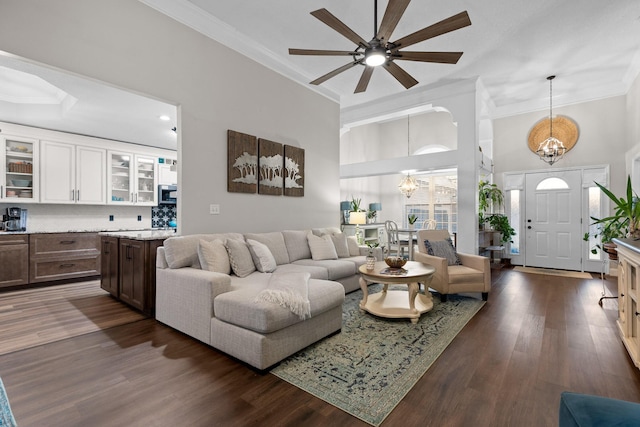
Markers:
point(293, 171)
point(270, 163)
point(242, 163)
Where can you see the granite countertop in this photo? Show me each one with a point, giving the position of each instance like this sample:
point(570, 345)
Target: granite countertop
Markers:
point(141, 234)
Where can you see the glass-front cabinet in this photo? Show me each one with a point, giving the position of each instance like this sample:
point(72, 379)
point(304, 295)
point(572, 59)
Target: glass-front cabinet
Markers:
point(132, 179)
point(19, 169)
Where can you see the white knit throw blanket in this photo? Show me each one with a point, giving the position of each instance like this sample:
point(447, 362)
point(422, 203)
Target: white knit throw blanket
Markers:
point(289, 290)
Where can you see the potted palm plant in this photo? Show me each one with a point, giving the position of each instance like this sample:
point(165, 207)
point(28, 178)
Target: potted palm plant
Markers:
point(622, 223)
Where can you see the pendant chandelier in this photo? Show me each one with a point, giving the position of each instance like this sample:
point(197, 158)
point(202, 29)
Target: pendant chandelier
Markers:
point(408, 185)
point(551, 149)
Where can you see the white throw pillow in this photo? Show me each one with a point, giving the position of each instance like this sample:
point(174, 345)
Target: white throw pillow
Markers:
point(262, 256)
point(240, 258)
point(321, 247)
point(354, 248)
point(340, 243)
point(213, 256)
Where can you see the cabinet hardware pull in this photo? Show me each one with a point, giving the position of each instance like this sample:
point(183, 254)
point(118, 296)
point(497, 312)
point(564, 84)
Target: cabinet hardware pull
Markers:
point(106, 248)
point(67, 242)
point(621, 295)
point(78, 195)
point(637, 313)
point(66, 265)
point(1, 191)
point(73, 195)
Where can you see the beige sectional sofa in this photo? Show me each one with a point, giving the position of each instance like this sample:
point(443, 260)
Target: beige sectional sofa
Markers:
point(223, 308)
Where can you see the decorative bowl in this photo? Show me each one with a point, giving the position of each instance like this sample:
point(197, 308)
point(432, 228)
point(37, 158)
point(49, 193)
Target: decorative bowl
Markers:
point(395, 262)
point(21, 182)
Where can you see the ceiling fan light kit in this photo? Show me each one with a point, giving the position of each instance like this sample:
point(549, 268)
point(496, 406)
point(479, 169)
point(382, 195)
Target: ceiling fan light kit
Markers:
point(379, 51)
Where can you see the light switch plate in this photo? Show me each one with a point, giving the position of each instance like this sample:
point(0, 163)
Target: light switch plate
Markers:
point(214, 209)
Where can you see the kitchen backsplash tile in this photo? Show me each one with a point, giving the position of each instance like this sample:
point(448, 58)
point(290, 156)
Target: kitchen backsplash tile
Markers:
point(161, 215)
point(46, 218)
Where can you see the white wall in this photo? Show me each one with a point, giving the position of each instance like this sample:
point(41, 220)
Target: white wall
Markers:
point(130, 45)
point(602, 140)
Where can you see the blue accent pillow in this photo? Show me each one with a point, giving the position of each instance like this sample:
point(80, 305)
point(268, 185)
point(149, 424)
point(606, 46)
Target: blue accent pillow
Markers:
point(443, 249)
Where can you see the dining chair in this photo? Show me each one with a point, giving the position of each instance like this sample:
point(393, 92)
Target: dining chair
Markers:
point(429, 224)
point(393, 240)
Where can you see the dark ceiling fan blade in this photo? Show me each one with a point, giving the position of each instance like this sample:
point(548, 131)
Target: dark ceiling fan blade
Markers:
point(452, 23)
point(364, 80)
point(395, 10)
point(323, 52)
point(438, 57)
point(334, 73)
point(328, 18)
point(401, 75)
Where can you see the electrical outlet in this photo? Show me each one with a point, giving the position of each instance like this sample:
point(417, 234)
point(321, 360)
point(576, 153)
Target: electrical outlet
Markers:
point(110, 217)
point(139, 217)
point(214, 209)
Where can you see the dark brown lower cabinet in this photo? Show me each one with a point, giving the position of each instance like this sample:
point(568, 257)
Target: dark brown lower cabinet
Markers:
point(60, 256)
point(129, 271)
point(109, 260)
point(14, 260)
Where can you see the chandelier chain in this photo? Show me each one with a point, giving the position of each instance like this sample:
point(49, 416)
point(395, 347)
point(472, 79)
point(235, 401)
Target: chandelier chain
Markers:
point(550, 78)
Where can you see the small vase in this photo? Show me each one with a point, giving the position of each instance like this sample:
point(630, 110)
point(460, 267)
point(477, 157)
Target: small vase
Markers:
point(412, 226)
point(371, 262)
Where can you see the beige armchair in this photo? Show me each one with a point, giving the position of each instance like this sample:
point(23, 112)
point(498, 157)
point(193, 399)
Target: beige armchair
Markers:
point(473, 275)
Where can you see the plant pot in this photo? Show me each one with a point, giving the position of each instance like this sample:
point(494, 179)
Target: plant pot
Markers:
point(371, 262)
point(611, 249)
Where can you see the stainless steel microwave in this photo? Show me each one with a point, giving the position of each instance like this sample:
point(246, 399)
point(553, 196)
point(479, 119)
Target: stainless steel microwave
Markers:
point(167, 194)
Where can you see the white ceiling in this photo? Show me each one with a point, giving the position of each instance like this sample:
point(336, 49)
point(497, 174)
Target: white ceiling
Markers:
point(82, 106)
point(512, 46)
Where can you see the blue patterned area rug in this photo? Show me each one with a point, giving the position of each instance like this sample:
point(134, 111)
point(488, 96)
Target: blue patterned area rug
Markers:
point(6, 417)
point(372, 364)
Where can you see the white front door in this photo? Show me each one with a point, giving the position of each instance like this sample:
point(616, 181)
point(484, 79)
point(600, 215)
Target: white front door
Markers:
point(552, 222)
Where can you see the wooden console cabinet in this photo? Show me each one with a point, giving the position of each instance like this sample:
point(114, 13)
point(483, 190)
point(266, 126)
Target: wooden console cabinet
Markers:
point(629, 296)
point(58, 256)
point(14, 260)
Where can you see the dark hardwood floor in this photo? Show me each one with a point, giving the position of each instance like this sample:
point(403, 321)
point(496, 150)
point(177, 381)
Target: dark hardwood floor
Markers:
point(537, 336)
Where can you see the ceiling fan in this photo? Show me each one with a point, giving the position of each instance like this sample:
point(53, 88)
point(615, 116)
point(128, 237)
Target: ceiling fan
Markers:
point(380, 51)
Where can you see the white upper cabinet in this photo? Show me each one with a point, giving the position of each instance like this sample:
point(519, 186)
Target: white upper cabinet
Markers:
point(18, 169)
point(167, 172)
point(132, 179)
point(72, 174)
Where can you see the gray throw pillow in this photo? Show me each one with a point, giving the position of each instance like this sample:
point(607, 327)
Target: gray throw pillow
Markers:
point(340, 243)
point(240, 258)
point(443, 249)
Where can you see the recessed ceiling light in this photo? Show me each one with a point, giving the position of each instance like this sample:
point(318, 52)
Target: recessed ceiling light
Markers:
point(164, 118)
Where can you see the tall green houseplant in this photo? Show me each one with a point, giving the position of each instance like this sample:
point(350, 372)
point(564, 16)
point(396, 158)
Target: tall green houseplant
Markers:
point(626, 215)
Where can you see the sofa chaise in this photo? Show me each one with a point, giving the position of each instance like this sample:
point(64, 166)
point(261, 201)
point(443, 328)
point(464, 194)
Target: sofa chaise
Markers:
point(206, 288)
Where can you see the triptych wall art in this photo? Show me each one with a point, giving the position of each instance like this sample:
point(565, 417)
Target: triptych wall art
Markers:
point(256, 165)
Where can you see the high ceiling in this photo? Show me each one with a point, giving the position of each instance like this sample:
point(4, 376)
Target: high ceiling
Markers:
point(512, 45)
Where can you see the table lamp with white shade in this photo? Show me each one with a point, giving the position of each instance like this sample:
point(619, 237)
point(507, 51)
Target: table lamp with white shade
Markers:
point(358, 218)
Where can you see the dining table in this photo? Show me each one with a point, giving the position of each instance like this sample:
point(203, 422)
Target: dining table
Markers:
point(411, 238)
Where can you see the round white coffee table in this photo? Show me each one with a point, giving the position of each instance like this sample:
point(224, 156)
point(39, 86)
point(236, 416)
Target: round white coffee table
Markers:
point(397, 303)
